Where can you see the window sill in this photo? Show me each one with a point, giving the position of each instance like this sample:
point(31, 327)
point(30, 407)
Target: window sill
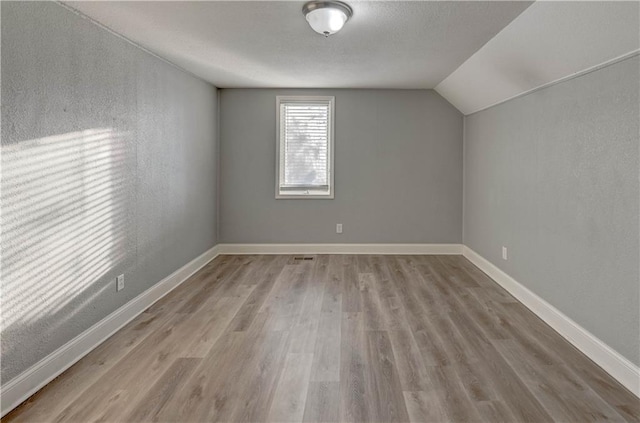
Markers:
point(303, 195)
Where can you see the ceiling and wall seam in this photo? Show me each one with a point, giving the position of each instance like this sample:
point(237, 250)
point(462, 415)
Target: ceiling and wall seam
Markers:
point(548, 43)
point(128, 40)
point(578, 74)
point(435, 88)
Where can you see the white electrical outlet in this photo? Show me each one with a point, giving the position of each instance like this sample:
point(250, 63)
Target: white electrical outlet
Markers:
point(120, 283)
point(339, 228)
point(504, 253)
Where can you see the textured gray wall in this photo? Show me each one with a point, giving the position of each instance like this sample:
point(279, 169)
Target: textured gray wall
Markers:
point(108, 167)
point(554, 177)
point(398, 177)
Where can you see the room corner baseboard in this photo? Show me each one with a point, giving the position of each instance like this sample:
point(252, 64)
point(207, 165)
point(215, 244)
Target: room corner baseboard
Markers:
point(30, 381)
point(620, 368)
point(340, 249)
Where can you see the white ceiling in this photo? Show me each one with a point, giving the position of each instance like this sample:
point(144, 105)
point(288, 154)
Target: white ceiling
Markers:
point(387, 44)
point(549, 41)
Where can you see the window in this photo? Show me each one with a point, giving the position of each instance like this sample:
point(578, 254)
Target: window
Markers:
point(305, 147)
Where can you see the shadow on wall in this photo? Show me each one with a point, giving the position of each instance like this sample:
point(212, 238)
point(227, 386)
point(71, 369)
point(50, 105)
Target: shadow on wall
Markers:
point(63, 228)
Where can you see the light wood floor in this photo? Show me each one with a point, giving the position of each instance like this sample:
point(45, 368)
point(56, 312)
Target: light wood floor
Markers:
point(336, 338)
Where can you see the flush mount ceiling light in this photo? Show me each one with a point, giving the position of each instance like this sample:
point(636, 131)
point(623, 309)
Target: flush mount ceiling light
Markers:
point(326, 17)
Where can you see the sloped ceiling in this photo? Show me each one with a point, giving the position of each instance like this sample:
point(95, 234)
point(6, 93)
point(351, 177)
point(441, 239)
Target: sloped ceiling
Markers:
point(387, 44)
point(475, 53)
point(548, 42)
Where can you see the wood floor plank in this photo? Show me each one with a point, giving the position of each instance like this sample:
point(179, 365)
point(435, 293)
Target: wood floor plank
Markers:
point(457, 405)
point(351, 301)
point(511, 389)
point(236, 283)
point(305, 331)
point(285, 300)
point(208, 275)
point(204, 291)
point(371, 306)
point(385, 401)
point(422, 286)
point(386, 287)
point(251, 307)
point(206, 391)
point(257, 381)
point(393, 313)
point(205, 328)
point(409, 361)
point(434, 347)
point(353, 338)
point(363, 264)
point(483, 311)
point(424, 407)
point(495, 411)
point(451, 271)
point(326, 359)
point(332, 297)
point(353, 396)
point(291, 393)
point(163, 390)
point(321, 403)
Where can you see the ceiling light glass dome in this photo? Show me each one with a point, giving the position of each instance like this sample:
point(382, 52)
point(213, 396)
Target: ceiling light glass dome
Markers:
point(327, 17)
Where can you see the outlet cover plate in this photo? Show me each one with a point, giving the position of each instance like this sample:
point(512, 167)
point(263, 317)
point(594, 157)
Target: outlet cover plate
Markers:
point(120, 283)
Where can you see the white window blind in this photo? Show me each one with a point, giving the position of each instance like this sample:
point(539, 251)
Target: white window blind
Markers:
point(305, 147)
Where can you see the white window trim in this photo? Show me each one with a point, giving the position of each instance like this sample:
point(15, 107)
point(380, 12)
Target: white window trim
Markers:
point(332, 106)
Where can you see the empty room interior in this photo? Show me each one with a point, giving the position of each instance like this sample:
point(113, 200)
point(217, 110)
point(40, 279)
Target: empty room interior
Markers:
point(321, 211)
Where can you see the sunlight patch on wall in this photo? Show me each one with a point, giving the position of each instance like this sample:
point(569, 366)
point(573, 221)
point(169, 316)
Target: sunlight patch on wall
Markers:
point(62, 221)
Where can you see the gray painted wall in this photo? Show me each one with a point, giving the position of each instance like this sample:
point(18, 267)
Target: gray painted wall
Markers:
point(108, 167)
point(554, 177)
point(398, 178)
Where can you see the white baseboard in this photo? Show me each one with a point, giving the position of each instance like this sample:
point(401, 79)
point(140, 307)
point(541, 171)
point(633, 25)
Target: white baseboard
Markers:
point(627, 373)
point(340, 248)
point(30, 381)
